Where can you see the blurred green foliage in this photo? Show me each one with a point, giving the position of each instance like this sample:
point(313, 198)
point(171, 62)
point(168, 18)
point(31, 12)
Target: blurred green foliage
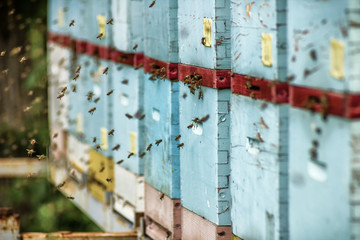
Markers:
point(42, 208)
point(31, 18)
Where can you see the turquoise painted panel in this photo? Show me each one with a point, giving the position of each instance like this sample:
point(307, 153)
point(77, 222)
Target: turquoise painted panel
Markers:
point(204, 158)
point(99, 9)
point(80, 12)
point(79, 105)
point(259, 163)
point(100, 84)
point(128, 98)
point(312, 26)
point(162, 167)
point(191, 49)
point(161, 30)
point(323, 163)
point(249, 20)
point(58, 14)
point(128, 31)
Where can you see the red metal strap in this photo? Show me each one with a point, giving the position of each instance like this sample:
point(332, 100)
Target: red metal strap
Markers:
point(61, 39)
point(272, 91)
point(151, 64)
point(210, 77)
point(80, 46)
point(345, 105)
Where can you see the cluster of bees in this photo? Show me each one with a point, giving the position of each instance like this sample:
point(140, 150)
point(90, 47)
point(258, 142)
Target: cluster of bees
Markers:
point(193, 81)
point(157, 72)
point(323, 101)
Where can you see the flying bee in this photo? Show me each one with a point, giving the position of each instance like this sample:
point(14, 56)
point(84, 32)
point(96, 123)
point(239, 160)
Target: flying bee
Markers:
point(203, 41)
point(78, 68)
point(2, 53)
point(98, 147)
point(91, 111)
point(195, 120)
point(94, 139)
point(142, 117)
point(135, 47)
point(102, 169)
point(74, 88)
point(152, 4)
point(120, 161)
point(76, 77)
point(72, 23)
point(70, 197)
point(63, 89)
point(55, 135)
point(200, 95)
point(258, 136)
point(180, 145)
point(142, 155)
point(105, 70)
point(23, 59)
point(116, 147)
point(96, 100)
point(130, 154)
point(158, 142)
point(41, 157)
point(263, 124)
point(32, 141)
point(110, 21)
point(109, 180)
point(100, 36)
point(162, 196)
point(139, 66)
point(61, 95)
point(149, 147)
point(61, 185)
point(177, 137)
point(111, 132)
point(204, 119)
point(30, 152)
point(184, 95)
point(190, 126)
point(125, 81)
point(89, 96)
point(110, 92)
point(128, 116)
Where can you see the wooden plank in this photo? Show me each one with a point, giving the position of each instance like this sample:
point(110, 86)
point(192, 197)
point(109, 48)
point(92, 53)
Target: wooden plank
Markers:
point(79, 236)
point(259, 161)
point(196, 227)
point(322, 54)
point(128, 194)
point(323, 162)
point(160, 210)
point(22, 167)
point(192, 16)
point(162, 170)
point(102, 214)
point(204, 158)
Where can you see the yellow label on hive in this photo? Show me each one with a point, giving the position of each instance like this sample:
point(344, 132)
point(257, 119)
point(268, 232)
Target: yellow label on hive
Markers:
point(266, 48)
point(104, 138)
point(79, 123)
point(133, 142)
point(337, 56)
point(102, 22)
point(206, 40)
point(60, 20)
point(235, 238)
